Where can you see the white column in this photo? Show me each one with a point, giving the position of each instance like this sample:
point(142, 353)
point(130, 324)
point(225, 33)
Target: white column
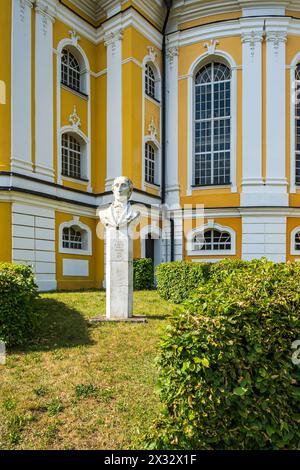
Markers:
point(113, 42)
point(252, 181)
point(44, 134)
point(172, 180)
point(276, 181)
point(21, 86)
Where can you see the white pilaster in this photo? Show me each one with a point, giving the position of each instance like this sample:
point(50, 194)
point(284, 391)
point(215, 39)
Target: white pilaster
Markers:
point(172, 179)
point(276, 181)
point(21, 86)
point(252, 181)
point(44, 93)
point(113, 42)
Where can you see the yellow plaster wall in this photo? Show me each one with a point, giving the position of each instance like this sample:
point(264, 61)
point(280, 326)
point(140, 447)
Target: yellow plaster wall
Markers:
point(96, 55)
point(95, 278)
point(135, 46)
point(5, 232)
point(68, 101)
point(5, 76)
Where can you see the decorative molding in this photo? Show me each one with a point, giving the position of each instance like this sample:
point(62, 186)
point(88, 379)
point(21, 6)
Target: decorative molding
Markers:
point(87, 241)
point(152, 129)
point(74, 119)
point(152, 53)
point(211, 225)
point(276, 38)
point(211, 46)
point(23, 4)
point(172, 52)
point(252, 38)
point(74, 37)
point(111, 39)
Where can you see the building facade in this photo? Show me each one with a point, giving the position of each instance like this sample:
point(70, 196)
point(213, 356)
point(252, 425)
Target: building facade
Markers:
point(195, 101)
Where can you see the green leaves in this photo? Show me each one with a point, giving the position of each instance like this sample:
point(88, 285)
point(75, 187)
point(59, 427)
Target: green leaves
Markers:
point(227, 378)
point(18, 292)
point(143, 274)
point(240, 391)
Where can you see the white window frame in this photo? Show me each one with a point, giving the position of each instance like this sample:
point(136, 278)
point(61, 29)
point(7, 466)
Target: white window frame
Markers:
point(156, 147)
point(85, 154)
point(69, 52)
point(77, 225)
point(211, 225)
point(73, 44)
point(293, 234)
point(293, 66)
point(151, 59)
point(204, 59)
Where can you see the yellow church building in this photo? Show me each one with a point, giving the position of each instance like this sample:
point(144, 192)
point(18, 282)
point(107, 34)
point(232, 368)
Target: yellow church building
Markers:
point(196, 101)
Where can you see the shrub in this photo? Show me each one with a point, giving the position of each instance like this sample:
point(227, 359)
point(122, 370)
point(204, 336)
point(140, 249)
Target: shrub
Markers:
point(227, 378)
point(17, 294)
point(176, 281)
point(143, 274)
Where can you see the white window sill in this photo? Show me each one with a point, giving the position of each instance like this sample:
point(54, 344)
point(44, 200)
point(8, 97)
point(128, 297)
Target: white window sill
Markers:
point(212, 253)
point(67, 251)
point(153, 100)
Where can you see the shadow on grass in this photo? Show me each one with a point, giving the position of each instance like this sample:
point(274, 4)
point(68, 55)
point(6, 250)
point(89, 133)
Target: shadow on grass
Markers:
point(60, 327)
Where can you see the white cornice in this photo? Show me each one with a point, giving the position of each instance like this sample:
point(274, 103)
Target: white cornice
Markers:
point(189, 10)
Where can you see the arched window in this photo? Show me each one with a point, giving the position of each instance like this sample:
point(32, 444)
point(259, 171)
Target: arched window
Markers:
point(297, 241)
point(75, 238)
point(70, 71)
point(72, 238)
point(212, 128)
point(150, 82)
point(297, 128)
point(151, 170)
point(71, 156)
point(212, 240)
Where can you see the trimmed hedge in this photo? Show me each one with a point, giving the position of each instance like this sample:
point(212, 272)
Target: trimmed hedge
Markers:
point(17, 294)
point(143, 274)
point(175, 281)
point(227, 378)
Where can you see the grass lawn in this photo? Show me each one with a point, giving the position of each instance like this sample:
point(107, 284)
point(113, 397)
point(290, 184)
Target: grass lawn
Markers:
point(83, 387)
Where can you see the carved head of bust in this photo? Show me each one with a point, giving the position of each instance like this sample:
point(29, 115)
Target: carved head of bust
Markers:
point(122, 189)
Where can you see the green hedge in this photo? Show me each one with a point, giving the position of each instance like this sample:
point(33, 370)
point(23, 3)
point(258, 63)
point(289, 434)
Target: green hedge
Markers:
point(143, 274)
point(178, 280)
point(175, 281)
point(227, 378)
point(17, 294)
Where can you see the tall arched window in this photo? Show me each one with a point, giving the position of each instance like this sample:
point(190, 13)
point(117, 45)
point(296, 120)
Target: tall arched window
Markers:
point(150, 82)
point(71, 156)
point(297, 128)
point(70, 70)
point(212, 132)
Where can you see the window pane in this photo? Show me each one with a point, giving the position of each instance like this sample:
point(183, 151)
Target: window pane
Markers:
point(71, 157)
point(70, 70)
point(212, 135)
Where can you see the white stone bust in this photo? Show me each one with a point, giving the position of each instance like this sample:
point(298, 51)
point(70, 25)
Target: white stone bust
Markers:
point(120, 213)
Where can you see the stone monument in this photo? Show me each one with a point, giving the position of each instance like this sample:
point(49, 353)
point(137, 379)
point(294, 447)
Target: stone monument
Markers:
point(119, 220)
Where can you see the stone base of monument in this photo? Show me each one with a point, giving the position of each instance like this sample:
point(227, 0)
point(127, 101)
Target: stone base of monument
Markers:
point(118, 320)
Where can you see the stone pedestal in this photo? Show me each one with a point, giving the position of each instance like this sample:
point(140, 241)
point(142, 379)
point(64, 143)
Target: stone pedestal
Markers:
point(119, 273)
